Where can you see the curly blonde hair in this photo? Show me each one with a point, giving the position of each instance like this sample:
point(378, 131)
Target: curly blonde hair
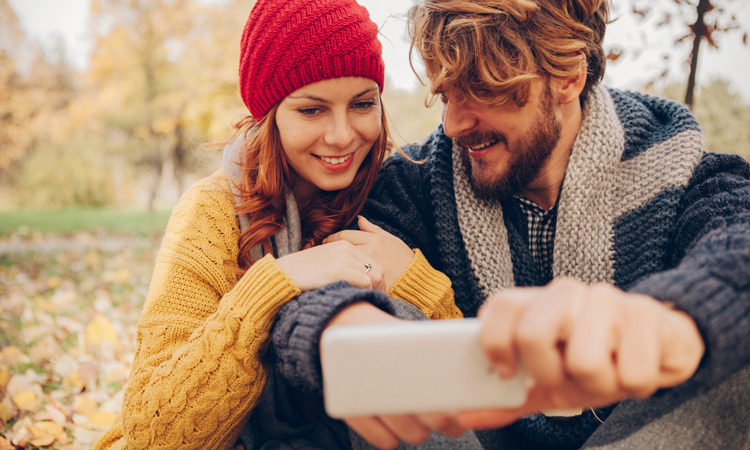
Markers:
point(491, 50)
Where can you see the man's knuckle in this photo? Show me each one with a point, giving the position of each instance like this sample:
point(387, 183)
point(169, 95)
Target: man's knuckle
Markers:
point(638, 385)
point(495, 341)
point(528, 337)
point(583, 367)
point(498, 304)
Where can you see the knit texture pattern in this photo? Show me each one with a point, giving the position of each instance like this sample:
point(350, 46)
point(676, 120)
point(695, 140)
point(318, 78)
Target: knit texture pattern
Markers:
point(303, 334)
point(598, 188)
point(287, 44)
point(296, 336)
point(654, 216)
point(197, 372)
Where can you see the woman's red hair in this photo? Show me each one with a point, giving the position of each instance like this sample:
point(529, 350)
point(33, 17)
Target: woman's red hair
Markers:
point(265, 173)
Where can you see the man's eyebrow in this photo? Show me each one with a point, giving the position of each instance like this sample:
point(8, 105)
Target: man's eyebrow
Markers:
point(322, 100)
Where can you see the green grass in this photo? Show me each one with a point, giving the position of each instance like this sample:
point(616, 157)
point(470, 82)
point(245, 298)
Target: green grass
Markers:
point(72, 220)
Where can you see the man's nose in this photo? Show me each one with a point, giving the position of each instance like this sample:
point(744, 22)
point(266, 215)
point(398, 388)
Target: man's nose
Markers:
point(457, 119)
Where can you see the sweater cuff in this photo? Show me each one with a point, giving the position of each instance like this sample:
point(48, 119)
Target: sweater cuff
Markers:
point(261, 292)
point(720, 316)
point(296, 334)
point(423, 286)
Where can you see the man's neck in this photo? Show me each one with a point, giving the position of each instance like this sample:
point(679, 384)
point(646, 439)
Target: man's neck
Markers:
point(545, 189)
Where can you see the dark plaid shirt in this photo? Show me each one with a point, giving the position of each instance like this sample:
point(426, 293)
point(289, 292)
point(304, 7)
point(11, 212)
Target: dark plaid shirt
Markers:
point(540, 232)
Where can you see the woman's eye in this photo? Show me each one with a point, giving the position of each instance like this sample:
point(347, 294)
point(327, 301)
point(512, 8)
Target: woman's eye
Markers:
point(363, 105)
point(309, 111)
point(443, 97)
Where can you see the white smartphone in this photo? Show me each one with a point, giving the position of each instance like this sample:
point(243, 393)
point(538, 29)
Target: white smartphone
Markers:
point(412, 367)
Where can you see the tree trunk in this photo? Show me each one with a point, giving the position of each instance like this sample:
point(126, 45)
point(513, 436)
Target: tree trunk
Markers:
point(157, 165)
point(699, 31)
point(179, 154)
point(118, 181)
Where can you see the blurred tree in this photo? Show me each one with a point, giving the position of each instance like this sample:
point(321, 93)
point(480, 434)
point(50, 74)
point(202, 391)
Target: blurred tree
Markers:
point(130, 73)
point(161, 72)
point(698, 20)
point(15, 140)
point(723, 115)
point(213, 58)
point(72, 173)
point(409, 118)
point(35, 90)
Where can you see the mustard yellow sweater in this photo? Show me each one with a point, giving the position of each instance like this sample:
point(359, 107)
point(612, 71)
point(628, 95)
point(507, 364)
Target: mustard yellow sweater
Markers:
point(197, 371)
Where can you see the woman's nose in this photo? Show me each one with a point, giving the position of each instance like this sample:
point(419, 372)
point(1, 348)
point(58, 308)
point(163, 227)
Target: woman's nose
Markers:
point(340, 132)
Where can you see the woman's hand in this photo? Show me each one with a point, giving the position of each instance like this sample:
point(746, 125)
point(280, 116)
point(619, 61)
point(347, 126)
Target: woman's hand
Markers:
point(323, 264)
point(390, 252)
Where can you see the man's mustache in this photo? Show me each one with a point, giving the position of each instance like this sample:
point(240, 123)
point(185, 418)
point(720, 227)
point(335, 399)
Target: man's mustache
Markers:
point(478, 138)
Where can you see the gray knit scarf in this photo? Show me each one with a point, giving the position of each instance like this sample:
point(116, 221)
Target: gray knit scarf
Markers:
point(599, 187)
point(285, 241)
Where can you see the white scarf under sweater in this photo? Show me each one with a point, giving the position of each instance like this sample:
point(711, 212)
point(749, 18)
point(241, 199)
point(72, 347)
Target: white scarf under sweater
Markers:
point(598, 188)
point(285, 241)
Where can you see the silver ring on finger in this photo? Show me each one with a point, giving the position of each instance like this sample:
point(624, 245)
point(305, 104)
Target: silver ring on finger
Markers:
point(368, 267)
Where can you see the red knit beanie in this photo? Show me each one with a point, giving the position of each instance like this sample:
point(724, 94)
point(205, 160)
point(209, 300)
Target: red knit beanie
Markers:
point(288, 44)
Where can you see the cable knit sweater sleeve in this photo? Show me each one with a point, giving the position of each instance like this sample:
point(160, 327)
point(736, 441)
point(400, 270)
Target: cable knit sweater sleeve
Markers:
point(427, 289)
point(710, 279)
point(197, 372)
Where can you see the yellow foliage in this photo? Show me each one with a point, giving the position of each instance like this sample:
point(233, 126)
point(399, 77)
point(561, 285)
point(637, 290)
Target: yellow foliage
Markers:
point(164, 125)
point(11, 355)
point(122, 276)
point(53, 282)
point(85, 406)
point(26, 400)
point(101, 420)
point(73, 383)
point(100, 331)
point(93, 259)
point(46, 433)
point(7, 410)
point(4, 377)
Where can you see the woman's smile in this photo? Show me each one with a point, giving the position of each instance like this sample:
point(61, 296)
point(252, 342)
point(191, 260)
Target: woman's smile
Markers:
point(336, 163)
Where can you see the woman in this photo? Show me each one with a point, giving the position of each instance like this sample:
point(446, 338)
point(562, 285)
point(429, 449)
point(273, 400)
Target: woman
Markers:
point(246, 240)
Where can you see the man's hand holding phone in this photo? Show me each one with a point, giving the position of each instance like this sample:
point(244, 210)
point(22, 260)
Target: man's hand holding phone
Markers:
point(583, 346)
point(567, 345)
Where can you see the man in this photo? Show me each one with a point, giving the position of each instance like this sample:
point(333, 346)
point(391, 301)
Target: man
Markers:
point(608, 253)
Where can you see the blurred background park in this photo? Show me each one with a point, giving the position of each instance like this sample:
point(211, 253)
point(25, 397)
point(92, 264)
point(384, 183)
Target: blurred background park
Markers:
point(104, 109)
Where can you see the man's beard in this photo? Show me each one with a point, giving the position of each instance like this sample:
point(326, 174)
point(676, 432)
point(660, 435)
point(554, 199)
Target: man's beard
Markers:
point(528, 155)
